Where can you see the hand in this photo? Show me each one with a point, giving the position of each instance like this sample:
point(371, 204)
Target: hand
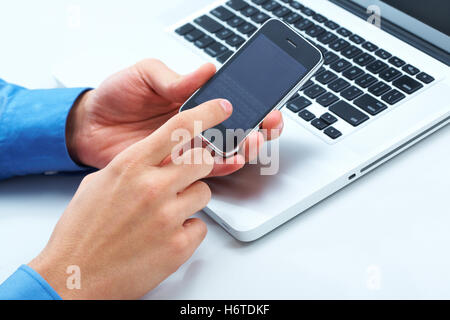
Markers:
point(135, 102)
point(128, 226)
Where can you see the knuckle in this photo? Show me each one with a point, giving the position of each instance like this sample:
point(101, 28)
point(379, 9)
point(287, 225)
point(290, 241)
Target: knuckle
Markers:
point(163, 220)
point(204, 192)
point(148, 62)
point(179, 121)
point(87, 179)
point(179, 243)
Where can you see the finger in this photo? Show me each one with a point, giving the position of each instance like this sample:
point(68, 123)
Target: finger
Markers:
point(195, 230)
point(272, 125)
point(252, 145)
point(192, 199)
point(181, 129)
point(191, 166)
point(171, 85)
point(248, 152)
point(225, 167)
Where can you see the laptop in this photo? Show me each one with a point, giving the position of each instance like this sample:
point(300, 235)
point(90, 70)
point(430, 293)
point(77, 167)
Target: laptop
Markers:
point(384, 85)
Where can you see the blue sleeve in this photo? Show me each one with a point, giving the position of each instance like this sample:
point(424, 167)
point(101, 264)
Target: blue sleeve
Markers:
point(33, 130)
point(27, 284)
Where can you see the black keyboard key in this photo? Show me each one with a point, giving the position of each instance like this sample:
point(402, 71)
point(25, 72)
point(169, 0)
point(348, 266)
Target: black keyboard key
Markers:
point(327, 38)
point(322, 69)
point(348, 113)
point(331, 25)
point(327, 99)
point(339, 45)
point(184, 29)
point(393, 96)
point(396, 62)
point(407, 84)
point(306, 115)
point(304, 24)
point(366, 80)
point(330, 57)
point(194, 35)
point(249, 11)
point(377, 66)
point(390, 74)
point(259, 2)
point(356, 39)
point(332, 133)
point(237, 5)
point(298, 104)
point(319, 18)
point(224, 34)
point(271, 5)
point(224, 57)
point(351, 52)
point(216, 49)
point(235, 22)
point(383, 54)
point(338, 85)
point(203, 42)
point(344, 32)
point(308, 84)
point(209, 24)
point(293, 97)
point(235, 41)
point(322, 49)
point(296, 5)
point(222, 13)
point(369, 104)
point(326, 77)
point(351, 93)
point(425, 78)
point(260, 17)
point(247, 28)
point(369, 46)
point(410, 69)
point(292, 18)
point(340, 65)
point(315, 31)
point(353, 73)
point(314, 91)
point(281, 12)
point(363, 59)
point(307, 11)
point(328, 118)
point(379, 88)
point(319, 124)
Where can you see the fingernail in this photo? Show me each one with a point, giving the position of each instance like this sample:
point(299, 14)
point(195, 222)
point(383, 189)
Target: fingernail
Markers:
point(226, 105)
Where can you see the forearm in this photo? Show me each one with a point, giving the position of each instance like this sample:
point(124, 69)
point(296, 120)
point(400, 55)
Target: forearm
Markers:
point(33, 130)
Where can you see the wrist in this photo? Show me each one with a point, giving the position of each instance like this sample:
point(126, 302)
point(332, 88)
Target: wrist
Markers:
point(75, 128)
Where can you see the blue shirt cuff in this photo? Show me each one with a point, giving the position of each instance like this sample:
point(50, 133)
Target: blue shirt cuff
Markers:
point(33, 130)
point(27, 284)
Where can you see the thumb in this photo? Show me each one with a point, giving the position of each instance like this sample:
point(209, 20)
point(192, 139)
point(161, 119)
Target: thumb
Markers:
point(169, 84)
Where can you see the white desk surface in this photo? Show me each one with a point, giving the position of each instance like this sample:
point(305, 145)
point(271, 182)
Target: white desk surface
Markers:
point(385, 236)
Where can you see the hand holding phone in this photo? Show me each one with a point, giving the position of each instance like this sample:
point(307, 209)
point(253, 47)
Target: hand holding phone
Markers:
point(270, 67)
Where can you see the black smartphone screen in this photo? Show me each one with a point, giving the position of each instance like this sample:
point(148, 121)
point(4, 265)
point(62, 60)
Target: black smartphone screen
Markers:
point(255, 80)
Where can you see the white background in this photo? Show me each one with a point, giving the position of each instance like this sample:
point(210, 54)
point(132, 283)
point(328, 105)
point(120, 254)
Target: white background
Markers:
point(385, 236)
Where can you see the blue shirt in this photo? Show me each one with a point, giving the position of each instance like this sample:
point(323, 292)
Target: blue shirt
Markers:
point(33, 141)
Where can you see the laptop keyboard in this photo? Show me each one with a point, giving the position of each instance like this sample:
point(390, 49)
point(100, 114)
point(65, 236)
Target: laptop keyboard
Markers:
point(358, 81)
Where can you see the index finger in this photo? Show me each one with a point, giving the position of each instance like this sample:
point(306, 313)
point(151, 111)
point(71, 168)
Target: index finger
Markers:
point(160, 144)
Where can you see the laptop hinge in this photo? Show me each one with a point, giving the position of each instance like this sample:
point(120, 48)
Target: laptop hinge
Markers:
point(397, 31)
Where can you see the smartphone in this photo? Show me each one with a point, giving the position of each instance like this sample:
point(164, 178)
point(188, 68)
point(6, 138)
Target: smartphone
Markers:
point(260, 77)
